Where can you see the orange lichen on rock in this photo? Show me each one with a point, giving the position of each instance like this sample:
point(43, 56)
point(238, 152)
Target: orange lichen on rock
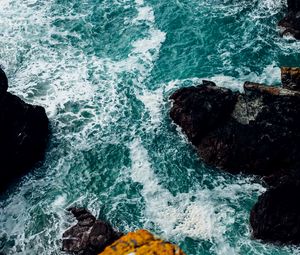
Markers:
point(141, 242)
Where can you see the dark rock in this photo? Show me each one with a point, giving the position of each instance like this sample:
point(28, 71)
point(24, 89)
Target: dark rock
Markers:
point(89, 236)
point(276, 215)
point(23, 135)
point(255, 132)
point(290, 24)
point(290, 78)
point(241, 132)
point(3, 82)
point(200, 109)
point(293, 5)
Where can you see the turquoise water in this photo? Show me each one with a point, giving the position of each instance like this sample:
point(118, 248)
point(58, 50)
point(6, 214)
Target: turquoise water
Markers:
point(104, 70)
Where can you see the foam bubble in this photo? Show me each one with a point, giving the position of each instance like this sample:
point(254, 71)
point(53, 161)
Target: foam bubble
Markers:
point(153, 101)
point(144, 14)
point(139, 2)
point(267, 8)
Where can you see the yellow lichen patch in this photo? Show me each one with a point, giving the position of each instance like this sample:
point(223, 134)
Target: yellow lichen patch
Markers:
point(141, 242)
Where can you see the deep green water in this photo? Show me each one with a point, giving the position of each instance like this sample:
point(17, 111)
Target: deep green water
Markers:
point(104, 70)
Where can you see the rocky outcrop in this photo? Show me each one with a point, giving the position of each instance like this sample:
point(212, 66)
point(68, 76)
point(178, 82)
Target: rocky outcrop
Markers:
point(290, 24)
point(256, 132)
point(276, 215)
point(198, 110)
point(141, 242)
point(241, 132)
point(89, 236)
point(23, 134)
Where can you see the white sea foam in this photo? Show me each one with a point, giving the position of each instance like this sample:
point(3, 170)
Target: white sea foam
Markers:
point(267, 8)
point(139, 2)
point(57, 80)
point(173, 215)
point(84, 97)
point(145, 14)
point(153, 101)
point(270, 75)
point(197, 214)
point(60, 80)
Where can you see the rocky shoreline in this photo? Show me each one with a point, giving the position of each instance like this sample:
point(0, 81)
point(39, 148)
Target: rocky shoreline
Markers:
point(255, 132)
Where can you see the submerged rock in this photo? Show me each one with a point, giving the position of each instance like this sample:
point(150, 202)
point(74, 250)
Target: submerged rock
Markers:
point(89, 236)
point(276, 215)
point(290, 24)
point(23, 134)
point(141, 242)
point(241, 132)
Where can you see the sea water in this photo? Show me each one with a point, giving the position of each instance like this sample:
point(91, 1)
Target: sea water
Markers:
point(104, 71)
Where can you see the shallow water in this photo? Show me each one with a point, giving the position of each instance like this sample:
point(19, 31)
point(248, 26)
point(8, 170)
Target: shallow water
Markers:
point(104, 70)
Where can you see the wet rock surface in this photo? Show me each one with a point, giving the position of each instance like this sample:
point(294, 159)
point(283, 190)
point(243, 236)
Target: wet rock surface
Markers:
point(198, 110)
point(23, 134)
point(290, 24)
point(255, 132)
point(89, 236)
point(276, 215)
point(241, 132)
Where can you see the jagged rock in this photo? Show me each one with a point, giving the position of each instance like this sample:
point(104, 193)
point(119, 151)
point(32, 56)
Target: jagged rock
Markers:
point(276, 215)
point(255, 132)
point(141, 242)
point(23, 134)
point(89, 236)
point(241, 132)
point(290, 24)
point(290, 78)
